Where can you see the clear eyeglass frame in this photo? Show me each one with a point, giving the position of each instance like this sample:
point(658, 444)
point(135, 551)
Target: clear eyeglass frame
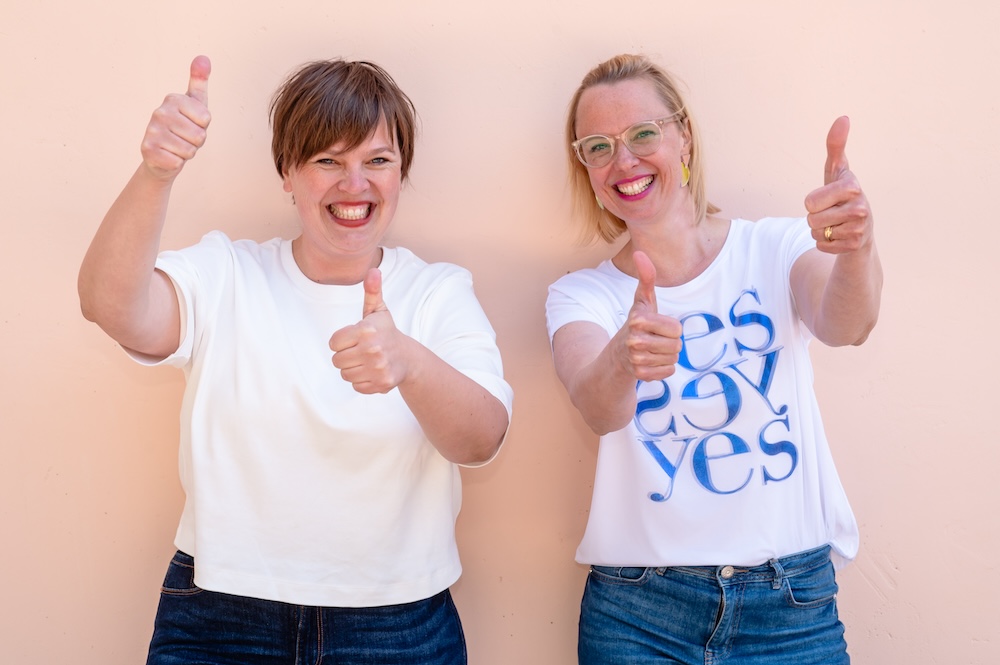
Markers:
point(641, 139)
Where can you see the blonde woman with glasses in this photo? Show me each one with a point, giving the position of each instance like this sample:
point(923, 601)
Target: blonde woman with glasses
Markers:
point(717, 517)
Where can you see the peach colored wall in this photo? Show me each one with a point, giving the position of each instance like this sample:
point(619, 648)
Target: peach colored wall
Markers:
point(88, 488)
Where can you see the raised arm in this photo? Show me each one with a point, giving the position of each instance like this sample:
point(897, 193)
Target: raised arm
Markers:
point(838, 288)
point(600, 373)
point(460, 418)
point(119, 288)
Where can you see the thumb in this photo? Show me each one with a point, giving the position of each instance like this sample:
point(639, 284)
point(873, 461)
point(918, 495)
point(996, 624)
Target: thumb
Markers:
point(201, 67)
point(836, 141)
point(373, 293)
point(645, 292)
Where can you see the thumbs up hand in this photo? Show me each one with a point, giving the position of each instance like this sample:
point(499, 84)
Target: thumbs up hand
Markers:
point(839, 214)
point(373, 294)
point(650, 341)
point(371, 354)
point(179, 126)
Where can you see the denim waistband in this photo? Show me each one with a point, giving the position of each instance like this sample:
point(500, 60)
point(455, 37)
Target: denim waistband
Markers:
point(773, 571)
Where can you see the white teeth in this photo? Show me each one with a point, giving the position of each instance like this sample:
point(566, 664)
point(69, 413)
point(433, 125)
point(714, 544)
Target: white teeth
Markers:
point(636, 186)
point(350, 212)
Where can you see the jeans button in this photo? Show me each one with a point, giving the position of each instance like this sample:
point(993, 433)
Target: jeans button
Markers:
point(727, 572)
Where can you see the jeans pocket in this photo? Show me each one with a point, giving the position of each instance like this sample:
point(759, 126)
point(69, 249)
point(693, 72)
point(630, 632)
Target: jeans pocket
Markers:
point(623, 575)
point(179, 580)
point(812, 589)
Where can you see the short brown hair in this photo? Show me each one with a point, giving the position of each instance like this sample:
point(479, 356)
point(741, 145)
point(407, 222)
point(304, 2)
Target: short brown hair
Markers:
point(336, 101)
point(597, 221)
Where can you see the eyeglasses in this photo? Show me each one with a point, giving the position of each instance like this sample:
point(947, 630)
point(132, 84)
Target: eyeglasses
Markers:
point(642, 138)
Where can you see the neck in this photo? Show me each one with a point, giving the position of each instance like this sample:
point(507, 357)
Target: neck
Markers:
point(680, 251)
point(340, 270)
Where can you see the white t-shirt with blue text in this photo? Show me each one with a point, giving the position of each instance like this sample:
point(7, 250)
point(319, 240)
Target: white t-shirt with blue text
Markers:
point(726, 461)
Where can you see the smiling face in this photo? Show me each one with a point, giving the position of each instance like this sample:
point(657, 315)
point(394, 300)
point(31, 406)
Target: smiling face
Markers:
point(635, 189)
point(346, 200)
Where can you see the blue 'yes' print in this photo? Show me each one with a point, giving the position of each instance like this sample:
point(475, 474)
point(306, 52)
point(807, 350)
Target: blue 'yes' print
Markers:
point(726, 370)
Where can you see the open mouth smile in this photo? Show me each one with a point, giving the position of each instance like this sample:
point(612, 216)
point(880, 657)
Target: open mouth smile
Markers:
point(635, 187)
point(350, 213)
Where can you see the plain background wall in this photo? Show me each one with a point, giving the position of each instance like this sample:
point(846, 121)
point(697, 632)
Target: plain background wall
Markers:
point(89, 495)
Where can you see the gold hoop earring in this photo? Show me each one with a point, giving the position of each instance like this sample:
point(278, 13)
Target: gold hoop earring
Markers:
point(685, 174)
point(599, 204)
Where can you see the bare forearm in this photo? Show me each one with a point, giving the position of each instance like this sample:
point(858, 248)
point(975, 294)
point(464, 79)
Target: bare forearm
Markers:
point(117, 272)
point(599, 384)
point(460, 418)
point(851, 300)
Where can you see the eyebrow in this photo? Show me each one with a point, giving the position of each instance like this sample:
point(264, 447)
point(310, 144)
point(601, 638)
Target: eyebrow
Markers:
point(374, 150)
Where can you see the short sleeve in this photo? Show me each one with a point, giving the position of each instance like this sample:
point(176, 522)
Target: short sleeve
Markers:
point(193, 271)
point(586, 295)
point(454, 326)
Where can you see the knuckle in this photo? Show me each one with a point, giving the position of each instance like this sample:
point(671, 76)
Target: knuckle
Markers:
point(850, 184)
point(860, 211)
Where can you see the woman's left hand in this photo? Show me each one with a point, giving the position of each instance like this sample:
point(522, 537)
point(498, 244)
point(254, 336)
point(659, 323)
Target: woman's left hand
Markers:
point(457, 415)
point(369, 354)
point(838, 289)
point(839, 214)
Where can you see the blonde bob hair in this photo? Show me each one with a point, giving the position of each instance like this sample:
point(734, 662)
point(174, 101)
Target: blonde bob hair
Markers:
point(600, 223)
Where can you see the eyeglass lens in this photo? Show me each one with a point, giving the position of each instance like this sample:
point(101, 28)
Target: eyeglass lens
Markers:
point(641, 139)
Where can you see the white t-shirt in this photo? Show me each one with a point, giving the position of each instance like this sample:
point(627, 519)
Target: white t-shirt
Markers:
point(298, 488)
point(726, 461)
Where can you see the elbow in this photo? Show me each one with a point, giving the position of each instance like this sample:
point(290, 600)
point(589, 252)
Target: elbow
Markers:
point(853, 336)
point(98, 310)
point(487, 443)
point(602, 428)
point(110, 316)
point(863, 337)
point(865, 329)
point(87, 312)
point(479, 455)
point(601, 425)
point(602, 417)
point(88, 305)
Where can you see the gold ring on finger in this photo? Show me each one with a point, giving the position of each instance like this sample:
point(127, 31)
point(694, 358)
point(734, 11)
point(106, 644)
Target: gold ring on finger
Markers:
point(828, 234)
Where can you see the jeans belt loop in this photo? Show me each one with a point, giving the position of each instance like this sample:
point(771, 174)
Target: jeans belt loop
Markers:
point(779, 574)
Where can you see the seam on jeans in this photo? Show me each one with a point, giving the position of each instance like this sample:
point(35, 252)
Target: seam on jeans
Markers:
point(609, 578)
point(779, 574)
point(805, 571)
point(810, 605)
point(737, 619)
point(733, 597)
point(458, 621)
point(319, 636)
point(192, 590)
point(298, 635)
point(710, 653)
point(181, 593)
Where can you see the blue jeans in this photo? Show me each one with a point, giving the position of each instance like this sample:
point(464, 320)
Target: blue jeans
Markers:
point(783, 612)
point(198, 626)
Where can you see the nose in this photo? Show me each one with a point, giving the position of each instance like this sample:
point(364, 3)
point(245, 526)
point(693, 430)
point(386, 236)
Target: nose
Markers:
point(354, 181)
point(624, 157)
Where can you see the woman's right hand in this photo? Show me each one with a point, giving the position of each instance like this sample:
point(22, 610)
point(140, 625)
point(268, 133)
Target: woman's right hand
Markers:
point(649, 342)
point(600, 372)
point(179, 126)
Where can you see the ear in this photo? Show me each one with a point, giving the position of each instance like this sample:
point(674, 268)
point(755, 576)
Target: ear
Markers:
point(286, 183)
point(686, 138)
